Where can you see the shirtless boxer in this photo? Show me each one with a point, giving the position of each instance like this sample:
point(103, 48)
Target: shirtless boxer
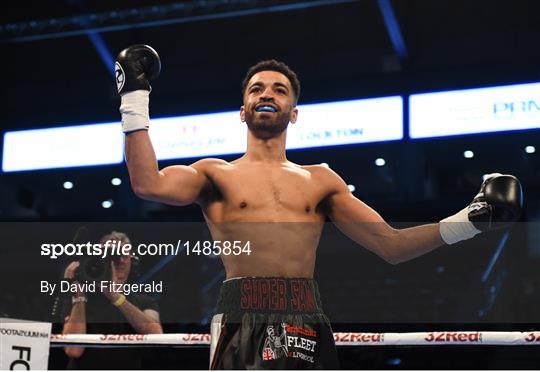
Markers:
point(280, 207)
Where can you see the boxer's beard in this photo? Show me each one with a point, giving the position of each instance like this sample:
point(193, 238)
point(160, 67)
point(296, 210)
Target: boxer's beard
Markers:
point(268, 127)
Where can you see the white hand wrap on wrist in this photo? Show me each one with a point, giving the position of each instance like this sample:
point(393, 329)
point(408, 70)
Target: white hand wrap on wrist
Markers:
point(134, 110)
point(457, 227)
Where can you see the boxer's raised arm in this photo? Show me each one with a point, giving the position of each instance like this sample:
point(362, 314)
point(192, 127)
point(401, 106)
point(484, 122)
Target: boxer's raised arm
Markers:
point(175, 185)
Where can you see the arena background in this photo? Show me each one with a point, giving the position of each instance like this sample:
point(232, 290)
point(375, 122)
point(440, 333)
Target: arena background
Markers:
point(56, 72)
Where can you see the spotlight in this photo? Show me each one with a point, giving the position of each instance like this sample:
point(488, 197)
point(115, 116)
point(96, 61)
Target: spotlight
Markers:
point(116, 181)
point(530, 149)
point(468, 154)
point(393, 361)
point(380, 162)
point(107, 203)
point(351, 188)
point(68, 185)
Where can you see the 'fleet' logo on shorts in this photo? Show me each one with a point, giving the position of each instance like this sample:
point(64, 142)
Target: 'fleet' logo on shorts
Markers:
point(279, 344)
point(120, 76)
point(275, 344)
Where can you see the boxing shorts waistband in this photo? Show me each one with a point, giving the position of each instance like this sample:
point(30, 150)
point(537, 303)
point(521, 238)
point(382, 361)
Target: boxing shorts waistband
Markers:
point(269, 295)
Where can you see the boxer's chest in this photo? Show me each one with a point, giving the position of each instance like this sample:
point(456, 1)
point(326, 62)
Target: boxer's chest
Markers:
point(271, 188)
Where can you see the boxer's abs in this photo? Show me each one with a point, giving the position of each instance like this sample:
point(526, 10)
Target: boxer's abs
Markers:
point(284, 249)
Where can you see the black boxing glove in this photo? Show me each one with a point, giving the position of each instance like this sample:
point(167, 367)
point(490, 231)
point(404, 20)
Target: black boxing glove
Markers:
point(135, 67)
point(498, 204)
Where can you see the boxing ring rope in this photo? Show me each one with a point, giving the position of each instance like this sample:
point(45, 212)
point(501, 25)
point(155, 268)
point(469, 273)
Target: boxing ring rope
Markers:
point(341, 338)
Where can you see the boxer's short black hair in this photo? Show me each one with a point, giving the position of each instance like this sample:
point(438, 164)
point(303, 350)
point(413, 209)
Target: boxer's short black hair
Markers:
point(273, 65)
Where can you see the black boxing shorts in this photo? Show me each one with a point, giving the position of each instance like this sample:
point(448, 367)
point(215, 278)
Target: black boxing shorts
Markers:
point(271, 323)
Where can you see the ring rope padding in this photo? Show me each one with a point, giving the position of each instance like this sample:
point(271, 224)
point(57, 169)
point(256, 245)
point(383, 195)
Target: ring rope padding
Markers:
point(341, 339)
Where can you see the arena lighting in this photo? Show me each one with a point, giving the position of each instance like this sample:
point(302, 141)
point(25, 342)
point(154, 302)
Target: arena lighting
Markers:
point(380, 162)
point(68, 185)
point(116, 181)
point(63, 147)
point(107, 203)
point(393, 362)
point(351, 188)
point(319, 125)
point(439, 269)
point(467, 111)
point(468, 154)
point(530, 149)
